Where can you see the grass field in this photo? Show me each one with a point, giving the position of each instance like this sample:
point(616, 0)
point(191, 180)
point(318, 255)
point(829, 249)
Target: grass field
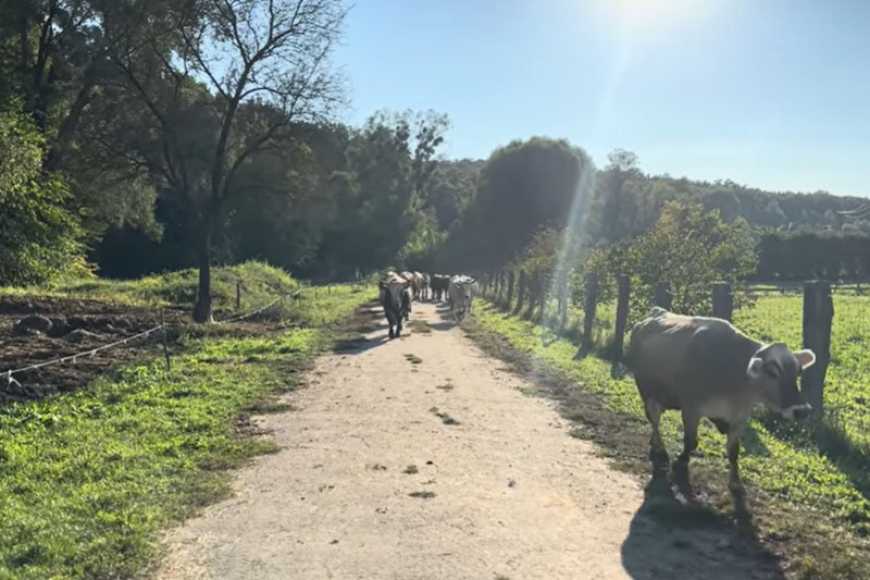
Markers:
point(88, 479)
point(807, 505)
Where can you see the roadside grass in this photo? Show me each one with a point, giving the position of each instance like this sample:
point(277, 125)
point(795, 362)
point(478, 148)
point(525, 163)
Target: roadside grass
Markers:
point(261, 283)
point(88, 479)
point(804, 507)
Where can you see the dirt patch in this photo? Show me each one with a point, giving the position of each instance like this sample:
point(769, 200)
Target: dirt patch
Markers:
point(77, 326)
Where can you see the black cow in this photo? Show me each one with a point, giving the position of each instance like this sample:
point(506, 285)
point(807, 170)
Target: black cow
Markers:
point(439, 284)
point(396, 301)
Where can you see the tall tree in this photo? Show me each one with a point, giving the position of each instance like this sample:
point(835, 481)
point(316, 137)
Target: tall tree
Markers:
point(247, 70)
point(523, 187)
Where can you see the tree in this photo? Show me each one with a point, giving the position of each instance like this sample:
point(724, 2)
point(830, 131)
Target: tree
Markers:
point(523, 187)
point(54, 60)
point(688, 248)
point(245, 70)
point(40, 238)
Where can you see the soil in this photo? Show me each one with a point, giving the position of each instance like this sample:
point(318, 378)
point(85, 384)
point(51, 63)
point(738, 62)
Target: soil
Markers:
point(423, 458)
point(107, 321)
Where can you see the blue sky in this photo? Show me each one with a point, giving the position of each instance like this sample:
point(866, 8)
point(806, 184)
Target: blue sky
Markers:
point(770, 93)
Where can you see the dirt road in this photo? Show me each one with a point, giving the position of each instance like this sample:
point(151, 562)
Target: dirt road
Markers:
point(422, 458)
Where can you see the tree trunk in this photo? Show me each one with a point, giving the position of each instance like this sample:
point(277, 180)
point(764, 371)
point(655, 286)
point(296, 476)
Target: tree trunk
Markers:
point(202, 311)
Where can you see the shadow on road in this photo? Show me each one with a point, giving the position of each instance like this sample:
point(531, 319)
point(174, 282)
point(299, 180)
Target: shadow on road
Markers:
point(672, 539)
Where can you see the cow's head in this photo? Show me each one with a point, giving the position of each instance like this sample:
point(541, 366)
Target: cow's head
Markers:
point(774, 370)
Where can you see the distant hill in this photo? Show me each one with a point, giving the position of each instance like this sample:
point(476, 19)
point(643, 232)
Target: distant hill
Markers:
point(787, 211)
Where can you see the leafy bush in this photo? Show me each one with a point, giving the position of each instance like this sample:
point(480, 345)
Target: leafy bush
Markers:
point(41, 239)
point(688, 248)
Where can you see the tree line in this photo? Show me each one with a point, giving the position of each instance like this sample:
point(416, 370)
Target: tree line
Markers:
point(140, 136)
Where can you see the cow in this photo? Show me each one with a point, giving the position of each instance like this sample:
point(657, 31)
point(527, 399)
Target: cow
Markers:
point(705, 367)
point(419, 286)
point(413, 282)
point(396, 300)
point(440, 283)
point(460, 295)
point(427, 287)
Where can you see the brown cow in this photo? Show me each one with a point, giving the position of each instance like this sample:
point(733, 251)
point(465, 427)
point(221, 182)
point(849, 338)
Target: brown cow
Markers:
point(705, 367)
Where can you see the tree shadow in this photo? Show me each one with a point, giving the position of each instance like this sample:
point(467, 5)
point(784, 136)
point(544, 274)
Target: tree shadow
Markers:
point(670, 537)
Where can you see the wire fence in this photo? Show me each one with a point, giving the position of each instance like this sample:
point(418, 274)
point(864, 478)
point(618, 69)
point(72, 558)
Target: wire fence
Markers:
point(10, 374)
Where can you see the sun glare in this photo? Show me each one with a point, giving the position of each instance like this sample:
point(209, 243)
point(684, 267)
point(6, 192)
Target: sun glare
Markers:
point(656, 17)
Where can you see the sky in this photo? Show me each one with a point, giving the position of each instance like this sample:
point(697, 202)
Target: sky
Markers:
point(768, 93)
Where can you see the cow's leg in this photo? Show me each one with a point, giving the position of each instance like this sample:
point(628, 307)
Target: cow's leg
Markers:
point(735, 484)
point(399, 327)
point(657, 452)
point(690, 443)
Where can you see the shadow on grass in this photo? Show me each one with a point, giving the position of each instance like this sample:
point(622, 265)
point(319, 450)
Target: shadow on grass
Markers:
point(830, 438)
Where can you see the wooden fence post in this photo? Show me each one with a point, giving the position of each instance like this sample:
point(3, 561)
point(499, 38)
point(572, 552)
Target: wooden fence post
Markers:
point(543, 296)
point(723, 301)
point(622, 305)
point(238, 295)
point(521, 291)
point(165, 341)
point(590, 304)
point(510, 289)
point(818, 316)
point(502, 288)
point(533, 286)
point(564, 277)
point(663, 297)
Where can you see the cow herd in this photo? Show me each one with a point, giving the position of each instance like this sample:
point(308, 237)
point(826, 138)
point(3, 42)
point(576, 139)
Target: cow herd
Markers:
point(699, 366)
point(399, 290)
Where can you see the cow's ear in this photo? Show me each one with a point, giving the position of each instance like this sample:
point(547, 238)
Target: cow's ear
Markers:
point(806, 358)
point(755, 368)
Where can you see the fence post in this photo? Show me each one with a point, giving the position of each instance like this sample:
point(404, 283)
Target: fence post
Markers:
point(510, 289)
point(238, 295)
point(818, 316)
point(521, 289)
point(622, 305)
point(165, 342)
point(590, 304)
point(562, 282)
point(723, 301)
point(663, 297)
point(542, 296)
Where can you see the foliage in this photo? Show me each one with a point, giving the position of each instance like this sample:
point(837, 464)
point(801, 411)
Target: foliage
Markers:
point(810, 255)
point(688, 248)
point(524, 187)
point(40, 237)
point(87, 481)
